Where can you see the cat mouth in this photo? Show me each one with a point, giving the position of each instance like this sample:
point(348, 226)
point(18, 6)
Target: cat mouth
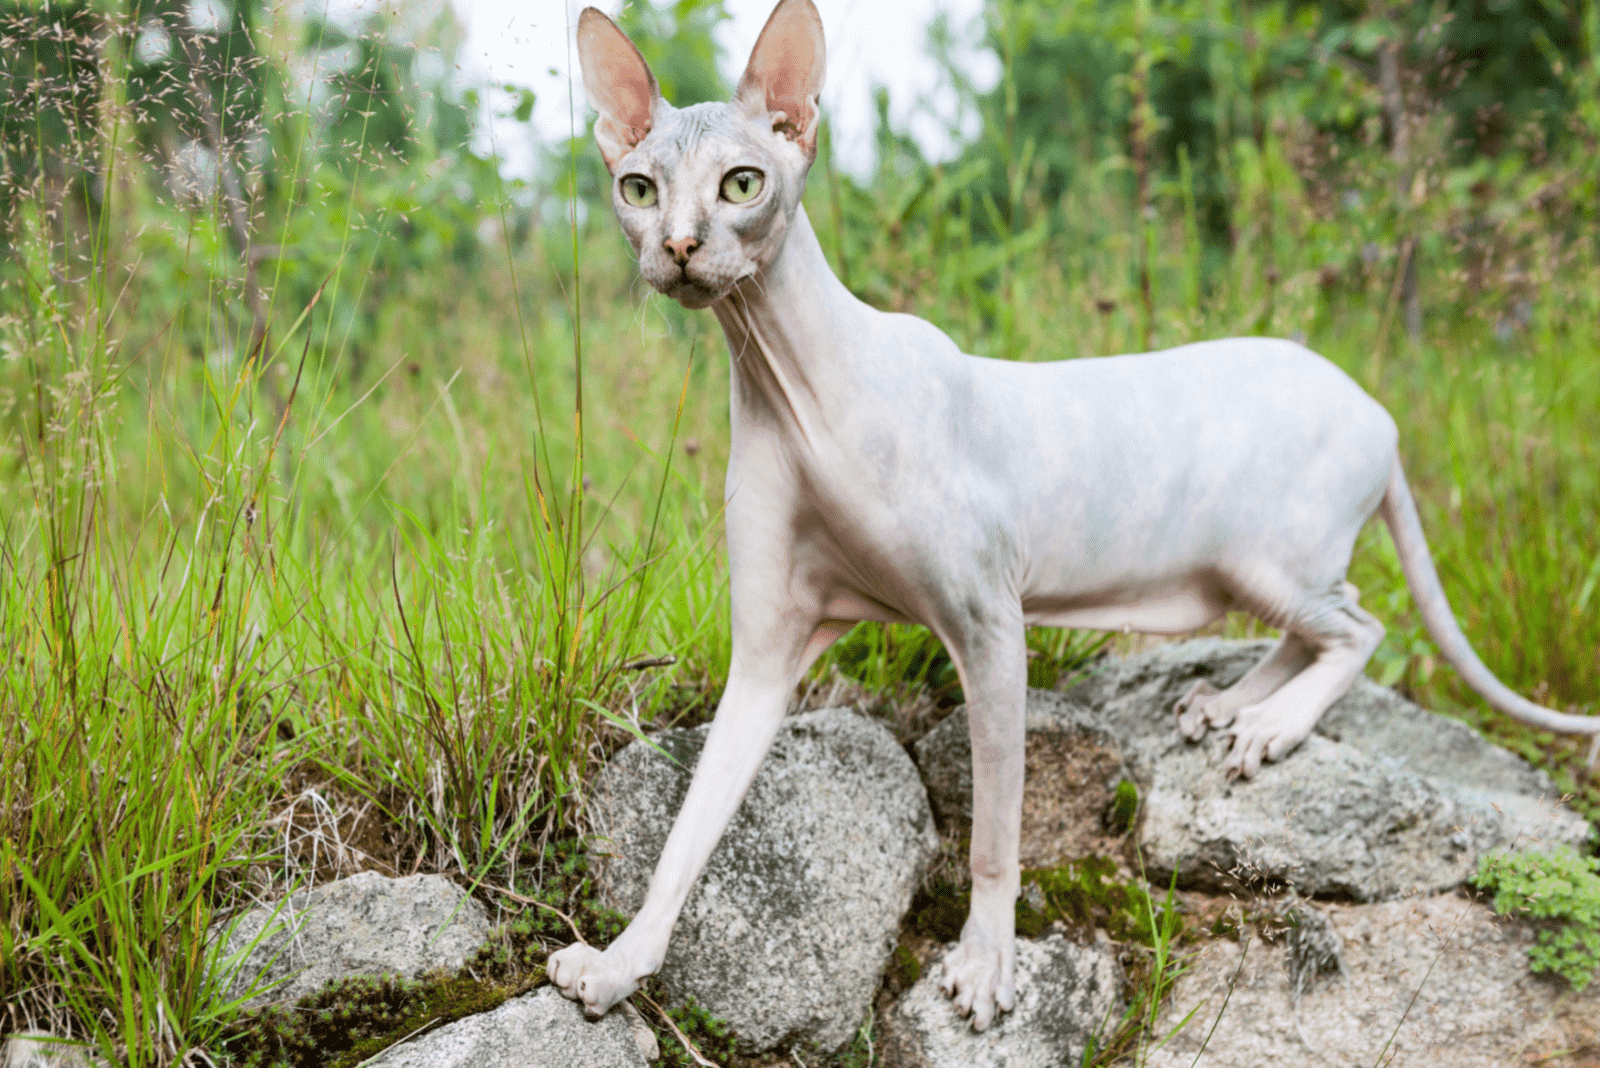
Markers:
point(693, 293)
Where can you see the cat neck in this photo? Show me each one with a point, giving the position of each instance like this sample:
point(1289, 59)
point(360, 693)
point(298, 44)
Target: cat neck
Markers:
point(793, 332)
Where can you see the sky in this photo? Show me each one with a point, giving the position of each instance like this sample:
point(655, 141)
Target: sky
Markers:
point(870, 42)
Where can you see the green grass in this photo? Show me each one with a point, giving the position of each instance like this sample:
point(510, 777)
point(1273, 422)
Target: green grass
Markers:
point(388, 564)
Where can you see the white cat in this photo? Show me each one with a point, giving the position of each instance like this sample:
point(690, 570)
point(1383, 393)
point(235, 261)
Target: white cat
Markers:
point(878, 473)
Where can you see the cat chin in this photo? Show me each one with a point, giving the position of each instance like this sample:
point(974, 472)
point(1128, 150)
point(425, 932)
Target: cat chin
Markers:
point(693, 295)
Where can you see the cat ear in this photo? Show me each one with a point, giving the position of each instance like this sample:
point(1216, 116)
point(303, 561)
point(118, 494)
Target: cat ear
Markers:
point(618, 83)
point(786, 70)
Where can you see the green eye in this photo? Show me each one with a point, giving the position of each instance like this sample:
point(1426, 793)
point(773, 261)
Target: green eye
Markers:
point(741, 185)
point(638, 190)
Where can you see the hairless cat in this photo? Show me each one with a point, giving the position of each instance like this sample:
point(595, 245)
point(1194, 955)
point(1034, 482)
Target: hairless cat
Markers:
point(878, 473)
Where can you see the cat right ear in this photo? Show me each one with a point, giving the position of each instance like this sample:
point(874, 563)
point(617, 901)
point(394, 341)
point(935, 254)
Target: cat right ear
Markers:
point(618, 83)
point(786, 71)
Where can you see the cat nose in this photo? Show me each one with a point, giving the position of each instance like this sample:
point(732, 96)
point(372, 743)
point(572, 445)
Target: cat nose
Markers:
point(681, 248)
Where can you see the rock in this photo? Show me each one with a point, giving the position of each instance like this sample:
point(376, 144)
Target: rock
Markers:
point(1364, 808)
point(1072, 773)
point(1328, 819)
point(1478, 1007)
point(787, 932)
point(38, 1049)
point(368, 924)
point(538, 1030)
point(1067, 994)
point(1314, 947)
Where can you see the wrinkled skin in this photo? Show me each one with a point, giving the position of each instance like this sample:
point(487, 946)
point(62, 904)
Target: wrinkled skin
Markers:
point(878, 473)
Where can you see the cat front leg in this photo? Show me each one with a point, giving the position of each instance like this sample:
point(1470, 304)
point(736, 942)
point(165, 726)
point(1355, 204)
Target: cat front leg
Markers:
point(761, 678)
point(980, 973)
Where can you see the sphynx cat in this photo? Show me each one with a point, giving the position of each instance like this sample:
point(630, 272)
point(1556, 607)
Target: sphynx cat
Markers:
point(878, 473)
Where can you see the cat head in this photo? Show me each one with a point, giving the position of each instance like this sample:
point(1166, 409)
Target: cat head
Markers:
point(706, 193)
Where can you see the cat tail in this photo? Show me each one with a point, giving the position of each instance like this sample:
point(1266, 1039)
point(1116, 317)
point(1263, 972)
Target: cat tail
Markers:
point(1400, 513)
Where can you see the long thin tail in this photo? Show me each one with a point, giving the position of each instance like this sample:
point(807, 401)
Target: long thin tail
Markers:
point(1400, 512)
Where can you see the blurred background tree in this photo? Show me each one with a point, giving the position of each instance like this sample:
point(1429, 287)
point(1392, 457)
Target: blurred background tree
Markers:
point(1174, 106)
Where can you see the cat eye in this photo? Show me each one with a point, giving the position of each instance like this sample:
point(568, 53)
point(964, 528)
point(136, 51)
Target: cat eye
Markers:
point(741, 185)
point(638, 190)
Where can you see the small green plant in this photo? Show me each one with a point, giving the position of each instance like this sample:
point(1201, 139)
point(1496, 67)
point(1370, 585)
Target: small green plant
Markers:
point(904, 969)
point(713, 1039)
point(1560, 891)
point(1087, 893)
point(1124, 807)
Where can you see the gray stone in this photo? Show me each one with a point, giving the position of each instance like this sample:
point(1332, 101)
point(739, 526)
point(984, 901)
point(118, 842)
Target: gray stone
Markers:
point(368, 924)
point(1328, 819)
point(37, 1049)
point(538, 1030)
point(1072, 769)
point(1363, 808)
point(1067, 995)
point(1314, 947)
point(787, 931)
point(1476, 1004)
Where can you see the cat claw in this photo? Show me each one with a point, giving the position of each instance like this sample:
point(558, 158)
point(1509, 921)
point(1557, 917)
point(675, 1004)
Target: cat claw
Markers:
point(1194, 711)
point(594, 979)
point(980, 980)
point(1262, 735)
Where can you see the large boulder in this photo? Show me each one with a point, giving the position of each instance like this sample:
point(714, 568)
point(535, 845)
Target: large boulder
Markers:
point(1067, 995)
point(786, 933)
point(538, 1030)
point(366, 925)
point(1385, 799)
point(1435, 980)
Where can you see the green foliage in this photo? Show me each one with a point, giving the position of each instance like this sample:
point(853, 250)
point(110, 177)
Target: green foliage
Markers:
point(884, 655)
point(1221, 79)
point(1124, 807)
point(1560, 891)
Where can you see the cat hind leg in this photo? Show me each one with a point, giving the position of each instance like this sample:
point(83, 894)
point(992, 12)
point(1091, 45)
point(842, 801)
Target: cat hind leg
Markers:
point(1204, 706)
point(1342, 637)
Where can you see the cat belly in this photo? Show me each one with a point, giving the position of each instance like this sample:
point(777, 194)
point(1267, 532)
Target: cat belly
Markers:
point(1168, 611)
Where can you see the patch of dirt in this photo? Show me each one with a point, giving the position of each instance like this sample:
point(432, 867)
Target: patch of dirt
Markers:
point(328, 832)
point(1070, 785)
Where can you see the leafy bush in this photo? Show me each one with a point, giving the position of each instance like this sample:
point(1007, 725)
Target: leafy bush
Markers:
point(1560, 891)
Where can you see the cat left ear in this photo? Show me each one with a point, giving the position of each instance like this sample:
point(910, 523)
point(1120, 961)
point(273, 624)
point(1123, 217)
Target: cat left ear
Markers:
point(785, 73)
point(618, 83)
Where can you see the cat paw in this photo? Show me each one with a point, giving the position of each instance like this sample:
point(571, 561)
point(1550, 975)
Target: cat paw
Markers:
point(594, 979)
point(1198, 710)
point(980, 976)
point(1262, 733)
